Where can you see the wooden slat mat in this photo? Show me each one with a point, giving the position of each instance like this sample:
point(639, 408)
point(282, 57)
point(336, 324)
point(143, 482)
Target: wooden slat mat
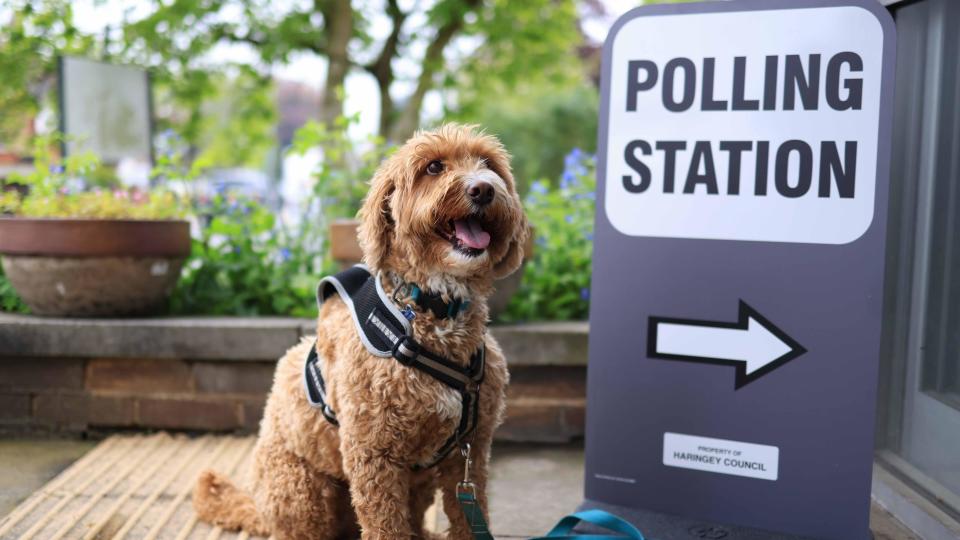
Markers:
point(135, 486)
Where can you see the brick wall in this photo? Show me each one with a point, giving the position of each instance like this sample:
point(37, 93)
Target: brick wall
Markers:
point(76, 395)
point(41, 391)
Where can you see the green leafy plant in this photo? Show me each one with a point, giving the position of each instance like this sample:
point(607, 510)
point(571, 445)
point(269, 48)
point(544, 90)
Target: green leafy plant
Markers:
point(246, 262)
point(556, 281)
point(9, 300)
point(340, 179)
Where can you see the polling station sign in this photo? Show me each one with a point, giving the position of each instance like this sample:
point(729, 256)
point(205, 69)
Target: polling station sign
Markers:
point(738, 263)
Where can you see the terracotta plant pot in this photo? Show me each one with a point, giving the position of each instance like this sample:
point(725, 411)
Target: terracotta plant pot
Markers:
point(93, 267)
point(345, 249)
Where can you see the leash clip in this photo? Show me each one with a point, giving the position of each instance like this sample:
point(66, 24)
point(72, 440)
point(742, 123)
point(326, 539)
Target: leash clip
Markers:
point(466, 485)
point(400, 292)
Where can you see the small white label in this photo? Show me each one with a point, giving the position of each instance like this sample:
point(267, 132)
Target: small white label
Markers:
point(721, 456)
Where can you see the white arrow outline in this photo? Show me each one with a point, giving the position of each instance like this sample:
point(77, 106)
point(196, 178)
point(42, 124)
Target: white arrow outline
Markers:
point(753, 344)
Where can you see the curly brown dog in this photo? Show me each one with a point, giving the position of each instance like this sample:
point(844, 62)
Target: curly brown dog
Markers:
point(443, 213)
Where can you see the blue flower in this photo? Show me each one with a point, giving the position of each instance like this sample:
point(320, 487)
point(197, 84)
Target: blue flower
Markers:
point(568, 180)
point(585, 294)
point(56, 169)
point(539, 187)
point(285, 254)
point(569, 218)
point(541, 241)
point(589, 237)
point(573, 158)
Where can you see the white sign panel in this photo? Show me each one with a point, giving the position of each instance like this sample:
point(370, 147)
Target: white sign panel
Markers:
point(721, 456)
point(758, 128)
point(105, 109)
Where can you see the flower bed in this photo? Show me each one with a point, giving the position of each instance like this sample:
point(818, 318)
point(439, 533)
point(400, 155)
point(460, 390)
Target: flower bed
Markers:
point(245, 262)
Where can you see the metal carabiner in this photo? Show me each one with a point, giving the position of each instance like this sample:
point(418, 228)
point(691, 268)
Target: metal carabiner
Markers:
point(465, 452)
point(400, 292)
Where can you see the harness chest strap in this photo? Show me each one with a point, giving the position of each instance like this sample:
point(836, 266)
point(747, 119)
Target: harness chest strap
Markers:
point(385, 332)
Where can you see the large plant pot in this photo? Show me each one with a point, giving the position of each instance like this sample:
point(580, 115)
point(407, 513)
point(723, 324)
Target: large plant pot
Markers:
point(345, 249)
point(93, 267)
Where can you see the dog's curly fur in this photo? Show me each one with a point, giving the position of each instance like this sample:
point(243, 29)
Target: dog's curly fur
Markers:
point(314, 480)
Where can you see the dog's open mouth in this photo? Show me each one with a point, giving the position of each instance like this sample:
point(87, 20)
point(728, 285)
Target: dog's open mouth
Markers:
point(467, 235)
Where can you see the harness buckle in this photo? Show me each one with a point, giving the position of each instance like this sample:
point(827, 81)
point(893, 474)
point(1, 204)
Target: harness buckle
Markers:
point(406, 350)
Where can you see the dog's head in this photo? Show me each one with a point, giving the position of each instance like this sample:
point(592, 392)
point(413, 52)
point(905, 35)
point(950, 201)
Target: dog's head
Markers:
point(445, 206)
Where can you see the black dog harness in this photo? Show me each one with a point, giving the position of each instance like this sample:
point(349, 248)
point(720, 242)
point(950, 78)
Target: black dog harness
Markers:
point(386, 332)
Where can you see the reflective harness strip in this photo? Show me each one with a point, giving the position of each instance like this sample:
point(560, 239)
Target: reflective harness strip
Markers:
point(385, 332)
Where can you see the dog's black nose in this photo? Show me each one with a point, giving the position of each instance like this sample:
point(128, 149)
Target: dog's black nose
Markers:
point(481, 192)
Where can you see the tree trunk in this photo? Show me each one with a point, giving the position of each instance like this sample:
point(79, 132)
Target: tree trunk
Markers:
point(409, 118)
point(338, 19)
point(382, 69)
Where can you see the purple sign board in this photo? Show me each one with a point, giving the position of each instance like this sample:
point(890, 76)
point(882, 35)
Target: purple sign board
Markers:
point(738, 266)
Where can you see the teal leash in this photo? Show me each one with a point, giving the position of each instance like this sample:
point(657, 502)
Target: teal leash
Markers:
point(467, 497)
point(473, 513)
point(564, 529)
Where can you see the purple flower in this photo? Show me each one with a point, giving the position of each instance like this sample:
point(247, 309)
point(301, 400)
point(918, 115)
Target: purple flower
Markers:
point(56, 169)
point(585, 294)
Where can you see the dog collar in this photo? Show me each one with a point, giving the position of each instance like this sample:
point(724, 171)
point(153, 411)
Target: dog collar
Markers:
point(435, 303)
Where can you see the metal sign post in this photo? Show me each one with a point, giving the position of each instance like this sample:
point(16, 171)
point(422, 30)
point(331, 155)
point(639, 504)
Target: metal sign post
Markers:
point(738, 267)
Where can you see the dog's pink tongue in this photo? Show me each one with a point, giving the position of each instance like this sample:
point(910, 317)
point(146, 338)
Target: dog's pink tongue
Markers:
point(471, 234)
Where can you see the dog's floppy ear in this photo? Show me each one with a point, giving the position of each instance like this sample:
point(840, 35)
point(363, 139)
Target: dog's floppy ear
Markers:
point(376, 222)
point(510, 262)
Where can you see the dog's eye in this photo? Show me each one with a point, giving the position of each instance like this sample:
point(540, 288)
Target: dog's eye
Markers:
point(435, 167)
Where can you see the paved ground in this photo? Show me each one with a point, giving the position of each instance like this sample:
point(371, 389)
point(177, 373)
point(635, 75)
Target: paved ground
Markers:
point(531, 486)
point(25, 465)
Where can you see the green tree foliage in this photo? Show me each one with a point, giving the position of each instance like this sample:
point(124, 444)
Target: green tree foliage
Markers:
point(529, 86)
point(539, 127)
point(511, 38)
point(471, 46)
point(30, 40)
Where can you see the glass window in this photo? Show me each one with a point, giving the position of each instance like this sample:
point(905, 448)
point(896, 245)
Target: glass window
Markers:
point(920, 414)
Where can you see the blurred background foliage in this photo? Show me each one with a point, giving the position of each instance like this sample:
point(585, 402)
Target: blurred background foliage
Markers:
point(556, 280)
point(525, 71)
